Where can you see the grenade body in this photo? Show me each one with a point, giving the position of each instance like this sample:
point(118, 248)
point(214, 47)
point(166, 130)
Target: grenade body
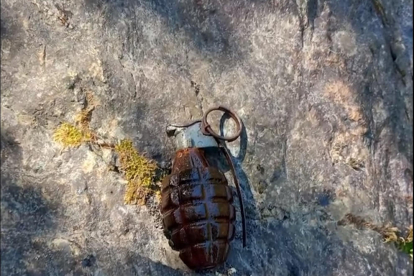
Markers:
point(196, 206)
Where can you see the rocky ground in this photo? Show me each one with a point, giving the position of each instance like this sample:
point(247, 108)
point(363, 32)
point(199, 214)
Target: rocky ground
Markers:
point(324, 89)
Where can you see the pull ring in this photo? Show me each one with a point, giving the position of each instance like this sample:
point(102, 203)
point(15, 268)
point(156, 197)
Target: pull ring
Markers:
point(207, 130)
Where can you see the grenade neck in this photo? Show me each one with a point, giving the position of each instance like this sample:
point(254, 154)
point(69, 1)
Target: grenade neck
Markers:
point(189, 158)
point(191, 137)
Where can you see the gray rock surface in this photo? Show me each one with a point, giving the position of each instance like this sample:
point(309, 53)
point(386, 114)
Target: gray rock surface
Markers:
point(324, 89)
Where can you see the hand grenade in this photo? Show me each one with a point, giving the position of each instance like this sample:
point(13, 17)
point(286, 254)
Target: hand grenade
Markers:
point(196, 200)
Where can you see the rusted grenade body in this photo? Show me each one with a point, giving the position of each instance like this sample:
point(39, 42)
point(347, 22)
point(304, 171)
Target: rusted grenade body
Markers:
point(197, 210)
point(197, 202)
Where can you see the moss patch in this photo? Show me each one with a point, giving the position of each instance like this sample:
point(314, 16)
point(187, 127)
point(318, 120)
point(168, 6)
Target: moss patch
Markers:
point(405, 244)
point(139, 172)
point(70, 136)
point(389, 233)
point(83, 118)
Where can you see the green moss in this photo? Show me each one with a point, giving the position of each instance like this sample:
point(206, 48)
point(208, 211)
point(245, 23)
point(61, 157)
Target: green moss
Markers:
point(406, 244)
point(139, 172)
point(403, 244)
point(389, 233)
point(407, 247)
point(70, 136)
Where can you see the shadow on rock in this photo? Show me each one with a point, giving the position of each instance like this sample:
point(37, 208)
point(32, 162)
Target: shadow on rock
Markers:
point(26, 214)
point(206, 24)
point(10, 149)
point(248, 199)
point(34, 242)
point(130, 263)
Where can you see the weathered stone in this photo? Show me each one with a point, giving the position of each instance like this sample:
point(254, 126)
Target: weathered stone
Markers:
point(324, 89)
